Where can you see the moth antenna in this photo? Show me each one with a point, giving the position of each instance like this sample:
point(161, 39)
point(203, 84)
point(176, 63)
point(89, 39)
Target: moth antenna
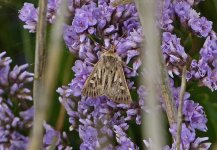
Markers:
point(104, 48)
point(125, 65)
point(112, 49)
point(90, 63)
point(115, 46)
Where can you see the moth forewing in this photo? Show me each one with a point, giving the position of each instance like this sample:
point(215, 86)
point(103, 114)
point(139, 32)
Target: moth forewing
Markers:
point(107, 78)
point(119, 91)
point(92, 86)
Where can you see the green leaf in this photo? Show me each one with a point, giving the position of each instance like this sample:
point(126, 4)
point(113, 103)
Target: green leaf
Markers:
point(95, 38)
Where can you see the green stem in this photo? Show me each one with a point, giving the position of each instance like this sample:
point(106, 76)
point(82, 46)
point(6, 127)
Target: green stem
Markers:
point(40, 59)
point(181, 101)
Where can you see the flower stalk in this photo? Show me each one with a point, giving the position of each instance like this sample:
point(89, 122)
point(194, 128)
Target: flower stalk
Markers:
point(151, 47)
point(180, 108)
point(167, 94)
point(47, 76)
point(40, 60)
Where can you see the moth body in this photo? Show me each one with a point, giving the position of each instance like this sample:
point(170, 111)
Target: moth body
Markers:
point(108, 79)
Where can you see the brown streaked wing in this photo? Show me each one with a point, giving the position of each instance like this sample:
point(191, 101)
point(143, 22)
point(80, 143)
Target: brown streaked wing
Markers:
point(93, 84)
point(119, 91)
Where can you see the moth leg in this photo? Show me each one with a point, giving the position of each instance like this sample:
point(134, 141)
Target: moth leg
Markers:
point(102, 51)
point(125, 65)
point(90, 63)
point(129, 67)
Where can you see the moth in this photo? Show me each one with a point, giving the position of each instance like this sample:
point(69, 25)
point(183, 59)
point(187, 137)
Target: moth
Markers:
point(108, 79)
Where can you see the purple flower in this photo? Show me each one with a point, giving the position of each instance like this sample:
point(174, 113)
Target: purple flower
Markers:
point(165, 15)
point(29, 15)
point(17, 141)
point(28, 12)
point(10, 125)
point(77, 85)
point(200, 26)
point(15, 80)
point(193, 118)
point(195, 115)
point(131, 54)
point(87, 14)
point(4, 70)
point(95, 117)
point(194, 2)
point(204, 69)
point(89, 135)
point(210, 80)
point(85, 146)
point(84, 18)
point(182, 9)
point(14, 117)
point(80, 24)
point(201, 143)
point(17, 77)
point(27, 117)
point(209, 50)
point(187, 136)
point(131, 24)
point(174, 53)
point(52, 8)
point(53, 137)
point(69, 104)
point(198, 143)
point(71, 38)
point(123, 141)
point(81, 68)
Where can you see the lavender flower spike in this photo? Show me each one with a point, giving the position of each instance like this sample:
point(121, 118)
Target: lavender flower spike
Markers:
point(29, 15)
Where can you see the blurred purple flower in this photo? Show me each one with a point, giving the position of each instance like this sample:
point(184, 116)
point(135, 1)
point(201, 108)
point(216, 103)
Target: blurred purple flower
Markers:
point(29, 15)
point(14, 81)
point(10, 125)
point(55, 138)
point(14, 117)
point(52, 9)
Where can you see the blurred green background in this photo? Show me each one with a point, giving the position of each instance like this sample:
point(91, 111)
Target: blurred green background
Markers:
point(20, 44)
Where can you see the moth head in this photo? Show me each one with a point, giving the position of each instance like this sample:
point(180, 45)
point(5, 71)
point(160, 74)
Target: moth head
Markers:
point(110, 54)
